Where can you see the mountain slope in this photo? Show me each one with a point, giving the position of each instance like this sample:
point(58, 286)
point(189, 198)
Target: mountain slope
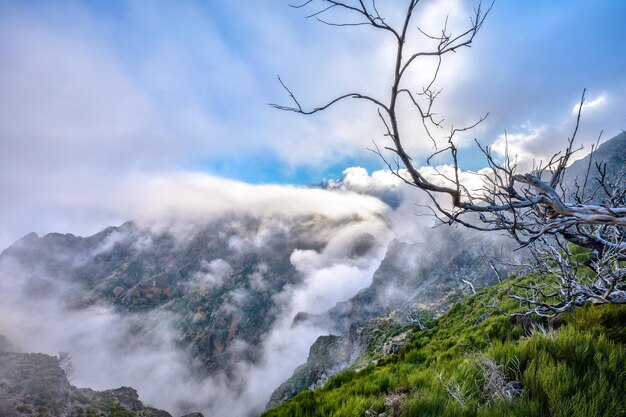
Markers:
point(611, 153)
point(219, 285)
point(475, 361)
point(394, 283)
point(413, 280)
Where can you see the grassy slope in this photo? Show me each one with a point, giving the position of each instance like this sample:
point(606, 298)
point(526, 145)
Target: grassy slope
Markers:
point(579, 370)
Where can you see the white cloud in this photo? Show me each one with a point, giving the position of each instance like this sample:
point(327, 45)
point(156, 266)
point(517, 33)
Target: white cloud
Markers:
point(212, 274)
point(82, 111)
point(530, 142)
point(357, 179)
point(523, 146)
point(183, 195)
point(159, 200)
point(600, 101)
point(350, 229)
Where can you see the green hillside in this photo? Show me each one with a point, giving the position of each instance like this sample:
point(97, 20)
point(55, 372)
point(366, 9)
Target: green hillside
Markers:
point(470, 364)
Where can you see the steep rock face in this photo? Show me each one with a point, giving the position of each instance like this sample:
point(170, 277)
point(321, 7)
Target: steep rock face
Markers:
point(330, 355)
point(327, 356)
point(32, 383)
point(120, 401)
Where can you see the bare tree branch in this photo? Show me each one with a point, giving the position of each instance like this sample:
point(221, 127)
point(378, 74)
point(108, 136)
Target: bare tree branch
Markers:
point(536, 208)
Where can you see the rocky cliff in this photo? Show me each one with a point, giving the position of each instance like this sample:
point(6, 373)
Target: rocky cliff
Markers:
point(34, 384)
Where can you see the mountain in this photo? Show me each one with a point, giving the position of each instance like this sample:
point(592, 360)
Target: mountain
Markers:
point(194, 303)
point(611, 154)
point(218, 291)
point(223, 310)
point(209, 298)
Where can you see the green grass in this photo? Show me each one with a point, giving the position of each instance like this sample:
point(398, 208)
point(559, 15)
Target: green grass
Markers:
point(577, 370)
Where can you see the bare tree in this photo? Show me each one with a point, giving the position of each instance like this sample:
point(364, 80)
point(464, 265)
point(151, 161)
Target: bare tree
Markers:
point(411, 314)
point(535, 208)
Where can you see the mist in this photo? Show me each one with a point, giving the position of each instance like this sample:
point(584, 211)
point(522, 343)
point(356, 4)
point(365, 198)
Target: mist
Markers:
point(343, 239)
point(339, 235)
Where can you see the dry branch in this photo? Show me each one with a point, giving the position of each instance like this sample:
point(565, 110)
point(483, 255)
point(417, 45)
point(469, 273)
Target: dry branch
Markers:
point(533, 207)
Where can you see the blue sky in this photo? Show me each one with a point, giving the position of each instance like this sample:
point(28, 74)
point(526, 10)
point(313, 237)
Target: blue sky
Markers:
point(93, 93)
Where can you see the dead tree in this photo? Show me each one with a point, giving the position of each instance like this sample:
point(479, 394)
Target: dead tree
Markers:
point(532, 207)
point(411, 314)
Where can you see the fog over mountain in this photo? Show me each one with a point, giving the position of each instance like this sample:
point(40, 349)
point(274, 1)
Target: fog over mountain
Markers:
point(193, 300)
point(192, 303)
point(172, 243)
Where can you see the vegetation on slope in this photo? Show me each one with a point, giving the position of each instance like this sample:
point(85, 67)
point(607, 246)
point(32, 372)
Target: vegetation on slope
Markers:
point(477, 361)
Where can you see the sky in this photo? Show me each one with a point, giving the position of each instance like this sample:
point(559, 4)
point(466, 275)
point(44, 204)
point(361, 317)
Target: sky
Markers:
point(98, 97)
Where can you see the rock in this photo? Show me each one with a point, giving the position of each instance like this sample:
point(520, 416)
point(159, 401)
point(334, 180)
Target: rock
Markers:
point(328, 356)
point(556, 322)
point(85, 401)
point(332, 354)
point(127, 397)
point(524, 321)
point(394, 348)
point(33, 384)
point(300, 318)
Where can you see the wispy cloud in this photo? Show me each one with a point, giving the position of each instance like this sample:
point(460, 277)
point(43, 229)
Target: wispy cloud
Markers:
point(589, 105)
point(85, 110)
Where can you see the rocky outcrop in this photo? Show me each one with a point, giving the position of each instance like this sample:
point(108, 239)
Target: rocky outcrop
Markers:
point(33, 384)
point(328, 356)
point(85, 402)
point(331, 354)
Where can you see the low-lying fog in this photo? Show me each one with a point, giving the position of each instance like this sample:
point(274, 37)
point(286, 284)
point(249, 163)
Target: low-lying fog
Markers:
point(107, 349)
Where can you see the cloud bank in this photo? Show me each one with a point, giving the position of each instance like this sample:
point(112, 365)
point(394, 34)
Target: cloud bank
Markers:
point(111, 348)
point(84, 110)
